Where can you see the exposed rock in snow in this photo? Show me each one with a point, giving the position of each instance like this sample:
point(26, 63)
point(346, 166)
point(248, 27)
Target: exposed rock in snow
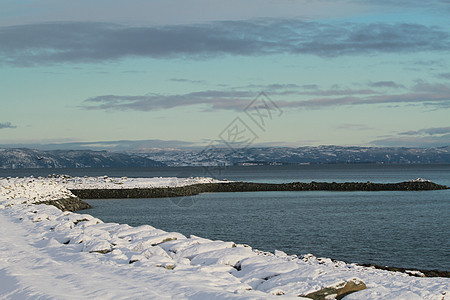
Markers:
point(339, 290)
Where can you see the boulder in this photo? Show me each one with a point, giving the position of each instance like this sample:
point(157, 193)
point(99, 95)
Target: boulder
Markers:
point(338, 291)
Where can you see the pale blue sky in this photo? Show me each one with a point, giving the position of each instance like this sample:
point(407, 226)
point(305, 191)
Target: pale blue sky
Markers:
point(342, 72)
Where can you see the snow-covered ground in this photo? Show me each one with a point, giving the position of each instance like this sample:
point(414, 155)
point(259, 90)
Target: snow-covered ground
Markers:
point(105, 182)
point(49, 254)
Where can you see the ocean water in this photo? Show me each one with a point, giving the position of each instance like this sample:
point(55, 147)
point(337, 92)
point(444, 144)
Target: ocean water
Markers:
point(274, 174)
point(402, 229)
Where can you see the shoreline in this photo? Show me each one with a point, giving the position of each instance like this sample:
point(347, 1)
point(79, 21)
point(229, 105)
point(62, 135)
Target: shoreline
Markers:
point(75, 204)
point(411, 271)
point(44, 241)
point(196, 189)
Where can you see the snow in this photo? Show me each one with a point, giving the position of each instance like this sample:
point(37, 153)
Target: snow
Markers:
point(419, 180)
point(105, 182)
point(49, 254)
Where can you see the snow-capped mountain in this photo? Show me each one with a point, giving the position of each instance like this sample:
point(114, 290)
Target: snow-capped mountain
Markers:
point(28, 158)
point(302, 155)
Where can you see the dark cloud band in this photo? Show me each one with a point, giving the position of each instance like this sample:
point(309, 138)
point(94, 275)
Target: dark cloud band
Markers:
point(49, 43)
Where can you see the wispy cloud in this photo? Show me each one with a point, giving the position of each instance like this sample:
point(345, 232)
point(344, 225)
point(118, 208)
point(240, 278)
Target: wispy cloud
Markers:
point(444, 75)
point(386, 84)
point(185, 80)
point(421, 93)
point(119, 145)
point(308, 89)
point(7, 125)
point(352, 126)
point(50, 43)
point(413, 141)
point(213, 99)
point(426, 137)
point(428, 131)
point(435, 4)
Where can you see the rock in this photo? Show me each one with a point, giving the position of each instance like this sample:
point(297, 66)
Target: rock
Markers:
point(338, 291)
point(411, 272)
point(351, 286)
point(196, 189)
point(68, 204)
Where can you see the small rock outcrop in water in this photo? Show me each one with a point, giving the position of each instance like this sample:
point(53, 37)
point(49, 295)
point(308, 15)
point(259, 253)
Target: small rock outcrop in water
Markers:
point(68, 204)
point(196, 189)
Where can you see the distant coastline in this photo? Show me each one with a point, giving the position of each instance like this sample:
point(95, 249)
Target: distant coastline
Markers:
point(22, 158)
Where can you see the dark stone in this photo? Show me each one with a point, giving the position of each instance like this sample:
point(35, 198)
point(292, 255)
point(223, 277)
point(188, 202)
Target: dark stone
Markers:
point(105, 251)
point(339, 291)
point(196, 189)
point(68, 204)
point(78, 221)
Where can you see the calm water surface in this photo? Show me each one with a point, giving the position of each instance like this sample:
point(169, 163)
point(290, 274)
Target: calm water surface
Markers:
point(403, 229)
point(276, 174)
point(389, 228)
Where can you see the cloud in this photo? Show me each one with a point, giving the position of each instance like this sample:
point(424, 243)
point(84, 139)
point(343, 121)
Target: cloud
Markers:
point(435, 4)
point(426, 137)
point(7, 125)
point(190, 11)
point(120, 145)
point(350, 126)
point(431, 95)
point(85, 42)
point(386, 84)
point(410, 141)
point(444, 75)
point(228, 100)
point(421, 93)
point(307, 89)
point(187, 80)
point(428, 131)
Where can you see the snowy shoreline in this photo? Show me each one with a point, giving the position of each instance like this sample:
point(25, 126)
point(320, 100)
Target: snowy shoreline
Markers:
point(69, 250)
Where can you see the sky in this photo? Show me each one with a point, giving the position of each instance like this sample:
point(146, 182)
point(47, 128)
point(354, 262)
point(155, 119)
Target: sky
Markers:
point(256, 72)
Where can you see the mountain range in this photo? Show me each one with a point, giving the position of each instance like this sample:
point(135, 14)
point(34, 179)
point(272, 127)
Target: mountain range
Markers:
point(21, 158)
point(17, 158)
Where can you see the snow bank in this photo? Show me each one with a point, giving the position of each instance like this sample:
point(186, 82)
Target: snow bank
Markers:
point(419, 180)
point(47, 253)
point(105, 182)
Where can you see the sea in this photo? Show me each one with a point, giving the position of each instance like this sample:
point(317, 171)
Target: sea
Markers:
point(408, 229)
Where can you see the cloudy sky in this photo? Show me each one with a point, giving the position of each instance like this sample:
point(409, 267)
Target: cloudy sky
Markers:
point(284, 72)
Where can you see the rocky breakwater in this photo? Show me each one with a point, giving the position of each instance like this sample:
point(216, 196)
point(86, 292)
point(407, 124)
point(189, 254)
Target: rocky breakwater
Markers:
point(31, 190)
point(195, 189)
point(68, 204)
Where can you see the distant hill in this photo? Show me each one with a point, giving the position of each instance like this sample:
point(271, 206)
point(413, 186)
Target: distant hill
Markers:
point(301, 155)
point(20, 158)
